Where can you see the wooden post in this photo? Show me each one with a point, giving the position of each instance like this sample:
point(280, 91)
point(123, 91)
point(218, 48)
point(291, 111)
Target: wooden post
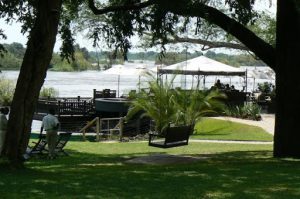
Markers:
point(121, 127)
point(83, 136)
point(58, 108)
point(98, 129)
point(84, 108)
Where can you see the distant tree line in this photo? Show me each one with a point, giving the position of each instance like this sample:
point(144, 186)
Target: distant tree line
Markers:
point(93, 60)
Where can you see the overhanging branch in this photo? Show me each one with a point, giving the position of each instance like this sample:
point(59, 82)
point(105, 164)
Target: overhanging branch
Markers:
point(209, 44)
point(105, 10)
point(258, 46)
point(197, 9)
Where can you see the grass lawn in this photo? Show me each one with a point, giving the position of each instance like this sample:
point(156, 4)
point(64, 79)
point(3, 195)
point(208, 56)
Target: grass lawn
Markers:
point(99, 170)
point(214, 129)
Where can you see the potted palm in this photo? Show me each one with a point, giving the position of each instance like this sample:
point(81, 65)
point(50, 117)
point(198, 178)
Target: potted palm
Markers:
point(174, 107)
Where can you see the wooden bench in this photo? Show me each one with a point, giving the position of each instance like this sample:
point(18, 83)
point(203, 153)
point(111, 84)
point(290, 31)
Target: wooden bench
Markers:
point(171, 137)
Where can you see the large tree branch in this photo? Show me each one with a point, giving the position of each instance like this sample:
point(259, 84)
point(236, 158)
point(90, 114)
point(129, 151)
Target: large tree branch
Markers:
point(190, 9)
point(208, 44)
point(258, 46)
point(105, 10)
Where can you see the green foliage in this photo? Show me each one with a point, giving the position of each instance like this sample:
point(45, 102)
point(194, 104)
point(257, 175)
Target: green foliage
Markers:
point(265, 87)
point(248, 111)
point(268, 91)
point(12, 57)
point(175, 57)
point(235, 60)
point(161, 21)
point(273, 94)
point(49, 92)
point(78, 64)
point(242, 10)
point(157, 103)
point(10, 62)
point(16, 49)
point(192, 105)
point(265, 27)
point(2, 48)
point(7, 89)
point(67, 47)
point(179, 107)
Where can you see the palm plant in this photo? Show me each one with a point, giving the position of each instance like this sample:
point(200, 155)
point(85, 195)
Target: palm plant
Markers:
point(179, 107)
point(155, 103)
point(192, 105)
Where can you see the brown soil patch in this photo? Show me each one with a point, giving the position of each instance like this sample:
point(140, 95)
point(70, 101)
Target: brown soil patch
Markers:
point(161, 159)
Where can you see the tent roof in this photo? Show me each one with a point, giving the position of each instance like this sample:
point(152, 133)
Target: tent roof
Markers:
point(126, 70)
point(202, 66)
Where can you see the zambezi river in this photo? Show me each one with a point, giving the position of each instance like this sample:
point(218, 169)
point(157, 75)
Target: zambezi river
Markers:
point(73, 84)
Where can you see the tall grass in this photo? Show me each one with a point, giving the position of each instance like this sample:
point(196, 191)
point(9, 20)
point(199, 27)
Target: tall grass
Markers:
point(247, 111)
point(7, 89)
point(49, 92)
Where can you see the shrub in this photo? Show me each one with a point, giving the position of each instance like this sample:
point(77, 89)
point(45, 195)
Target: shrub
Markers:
point(7, 89)
point(247, 111)
point(265, 87)
point(49, 92)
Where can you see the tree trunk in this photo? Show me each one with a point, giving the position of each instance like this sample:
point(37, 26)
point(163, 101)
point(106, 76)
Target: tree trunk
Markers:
point(31, 78)
point(287, 129)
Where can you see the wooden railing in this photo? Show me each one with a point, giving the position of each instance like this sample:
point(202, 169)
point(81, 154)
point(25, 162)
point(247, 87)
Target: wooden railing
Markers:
point(96, 122)
point(104, 126)
point(66, 106)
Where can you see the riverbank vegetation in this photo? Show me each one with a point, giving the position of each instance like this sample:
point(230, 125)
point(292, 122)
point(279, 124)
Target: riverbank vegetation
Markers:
point(49, 92)
point(93, 60)
point(7, 89)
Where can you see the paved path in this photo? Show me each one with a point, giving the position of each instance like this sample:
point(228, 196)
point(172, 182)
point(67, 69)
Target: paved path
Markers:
point(267, 122)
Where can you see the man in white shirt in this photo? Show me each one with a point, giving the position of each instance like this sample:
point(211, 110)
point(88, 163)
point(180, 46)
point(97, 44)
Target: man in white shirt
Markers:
point(50, 124)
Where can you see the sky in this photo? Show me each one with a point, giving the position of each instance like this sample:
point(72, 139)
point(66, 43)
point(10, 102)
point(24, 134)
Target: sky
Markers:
point(13, 30)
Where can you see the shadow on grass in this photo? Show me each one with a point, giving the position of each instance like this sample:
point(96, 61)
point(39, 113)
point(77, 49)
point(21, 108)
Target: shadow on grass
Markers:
point(239, 174)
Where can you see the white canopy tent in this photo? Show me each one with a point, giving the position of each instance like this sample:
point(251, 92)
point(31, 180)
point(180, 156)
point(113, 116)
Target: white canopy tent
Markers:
point(259, 74)
point(202, 66)
point(126, 70)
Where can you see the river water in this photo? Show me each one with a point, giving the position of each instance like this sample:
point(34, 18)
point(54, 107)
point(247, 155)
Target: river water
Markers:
point(73, 84)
